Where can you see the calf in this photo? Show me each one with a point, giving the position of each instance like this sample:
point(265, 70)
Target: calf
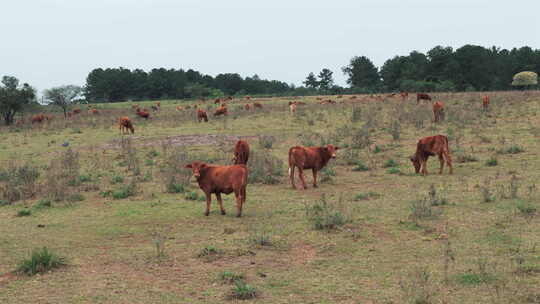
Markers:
point(217, 101)
point(438, 111)
point(221, 179)
point(241, 153)
point(430, 146)
point(247, 107)
point(179, 108)
point(221, 111)
point(485, 102)
point(125, 125)
point(314, 158)
point(257, 105)
point(422, 96)
point(201, 115)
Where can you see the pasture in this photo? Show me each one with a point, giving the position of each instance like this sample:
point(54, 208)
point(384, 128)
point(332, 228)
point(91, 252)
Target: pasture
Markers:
point(128, 218)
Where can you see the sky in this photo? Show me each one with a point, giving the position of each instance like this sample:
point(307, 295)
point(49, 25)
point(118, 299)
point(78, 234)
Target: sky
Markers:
point(49, 43)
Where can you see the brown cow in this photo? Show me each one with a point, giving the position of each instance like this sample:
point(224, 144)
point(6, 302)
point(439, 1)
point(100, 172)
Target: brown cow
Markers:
point(221, 179)
point(485, 102)
point(422, 96)
point(314, 158)
point(438, 111)
point(134, 106)
point(247, 107)
point(201, 115)
point(241, 153)
point(144, 113)
point(93, 111)
point(179, 108)
point(221, 111)
point(292, 107)
point(404, 95)
point(76, 111)
point(429, 146)
point(125, 125)
point(38, 118)
point(257, 105)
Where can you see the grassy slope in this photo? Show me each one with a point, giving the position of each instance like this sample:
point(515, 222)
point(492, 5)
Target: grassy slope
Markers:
point(109, 242)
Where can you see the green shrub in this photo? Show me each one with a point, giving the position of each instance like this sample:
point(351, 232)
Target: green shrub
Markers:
point(175, 188)
point(209, 251)
point(149, 162)
point(117, 179)
point(41, 260)
point(513, 149)
point(474, 278)
point(229, 277)
point(266, 142)
point(390, 164)
point(260, 238)
point(264, 168)
point(152, 153)
point(42, 204)
point(124, 192)
point(243, 291)
point(526, 208)
point(377, 149)
point(191, 196)
point(325, 216)
point(24, 212)
point(492, 161)
point(366, 196)
point(76, 197)
point(4, 203)
point(360, 166)
point(393, 170)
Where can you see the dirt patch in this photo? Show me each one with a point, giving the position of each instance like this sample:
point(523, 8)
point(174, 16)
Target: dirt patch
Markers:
point(184, 140)
point(6, 278)
point(302, 253)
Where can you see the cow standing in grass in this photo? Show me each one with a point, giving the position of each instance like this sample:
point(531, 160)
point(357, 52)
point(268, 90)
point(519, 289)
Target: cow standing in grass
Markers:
point(485, 102)
point(438, 111)
point(314, 158)
point(125, 125)
point(144, 113)
point(292, 107)
point(221, 111)
point(221, 179)
point(430, 146)
point(241, 153)
point(201, 115)
point(422, 96)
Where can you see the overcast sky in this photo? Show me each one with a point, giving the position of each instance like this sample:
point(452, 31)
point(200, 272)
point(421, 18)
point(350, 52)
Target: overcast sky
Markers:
point(55, 42)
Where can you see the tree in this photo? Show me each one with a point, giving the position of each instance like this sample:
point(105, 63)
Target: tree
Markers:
point(311, 81)
point(326, 81)
point(362, 73)
point(13, 98)
point(525, 79)
point(62, 96)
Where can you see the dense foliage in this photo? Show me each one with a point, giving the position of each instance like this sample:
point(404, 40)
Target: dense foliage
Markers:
point(14, 97)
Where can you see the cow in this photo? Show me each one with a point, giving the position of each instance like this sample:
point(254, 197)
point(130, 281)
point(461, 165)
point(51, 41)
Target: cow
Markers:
point(179, 108)
point(76, 111)
point(158, 104)
point(154, 108)
point(221, 179)
point(217, 101)
point(230, 98)
point(485, 102)
point(93, 111)
point(422, 96)
point(38, 118)
point(438, 111)
point(314, 158)
point(201, 115)
point(292, 107)
point(247, 107)
point(328, 101)
point(257, 105)
point(241, 153)
point(430, 146)
point(125, 125)
point(404, 95)
point(221, 111)
point(144, 113)
point(352, 97)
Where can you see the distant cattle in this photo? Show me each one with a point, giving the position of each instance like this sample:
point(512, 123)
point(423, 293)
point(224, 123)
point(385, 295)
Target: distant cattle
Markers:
point(76, 111)
point(217, 101)
point(257, 105)
point(352, 97)
point(248, 97)
point(327, 101)
point(144, 113)
point(339, 96)
point(221, 111)
point(241, 153)
point(125, 125)
point(154, 108)
point(134, 106)
point(179, 108)
point(314, 158)
point(438, 111)
point(485, 102)
point(201, 115)
point(422, 96)
point(221, 179)
point(247, 107)
point(430, 146)
point(93, 111)
point(230, 98)
point(38, 118)
point(292, 107)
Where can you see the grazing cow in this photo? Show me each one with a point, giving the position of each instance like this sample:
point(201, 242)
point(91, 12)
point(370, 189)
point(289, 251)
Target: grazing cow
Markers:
point(404, 95)
point(217, 101)
point(221, 111)
point(292, 107)
point(221, 179)
point(179, 108)
point(257, 105)
point(144, 113)
point(328, 101)
point(125, 125)
point(201, 115)
point(485, 102)
point(230, 98)
point(300, 103)
point(93, 111)
point(76, 111)
point(314, 158)
point(241, 153)
point(430, 146)
point(247, 107)
point(422, 96)
point(391, 95)
point(38, 118)
point(158, 104)
point(438, 111)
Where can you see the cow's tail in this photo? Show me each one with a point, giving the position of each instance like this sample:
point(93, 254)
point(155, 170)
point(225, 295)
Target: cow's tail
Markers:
point(291, 160)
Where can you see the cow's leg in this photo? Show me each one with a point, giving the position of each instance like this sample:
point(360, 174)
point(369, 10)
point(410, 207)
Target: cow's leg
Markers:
point(449, 161)
point(208, 201)
point(291, 175)
point(423, 166)
point(218, 196)
point(239, 201)
point(302, 177)
point(314, 177)
point(441, 160)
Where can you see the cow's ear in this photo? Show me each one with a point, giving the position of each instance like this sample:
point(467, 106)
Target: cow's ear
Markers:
point(189, 166)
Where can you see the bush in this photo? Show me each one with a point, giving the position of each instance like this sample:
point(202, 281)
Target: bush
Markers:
point(266, 142)
point(260, 238)
point(229, 277)
point(209, 251)
point(465, 158)
point(76, 197)
point(117, 179)
point(41, 260)
point(191, 196)
point(360, 166)
point(325, 216)
point(20, 182)
point(174, 187)
point(264, 168)
point(42, 204)
point(526, 208)
point(390, 164)
point(243, 291)
point(366, 196)
point(24, 212)
point(393, 170)
point(4, 203)
point(124, 191)
point(492, 161)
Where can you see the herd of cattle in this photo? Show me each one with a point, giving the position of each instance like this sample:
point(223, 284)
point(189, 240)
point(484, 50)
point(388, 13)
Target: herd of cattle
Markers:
point(214, 179)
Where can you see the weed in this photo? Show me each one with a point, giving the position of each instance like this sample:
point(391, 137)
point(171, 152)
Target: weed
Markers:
point(24, 212)
point(327, 174)
point(192, 196)
point(173, 187)
point(486, 192)
point(417, 287)
point(125, 191)
point(41, 260)
point(117, 179)
point(243, 291)
point(436, 199)
point(20, 182)
point(228, 277)
point(393, 170)
point(492, 161)
point(526, 208)
point(465, 157)
point(76, 197)
point(366, 196)
point(4, 203)
point(513, 149)
point(356, 114)
point(258, 237)
point(360, 166)
point(266, 142)
point(326, 216)
point(264, 168)
point(395, 130)
point(390, 164)
point(209, 251)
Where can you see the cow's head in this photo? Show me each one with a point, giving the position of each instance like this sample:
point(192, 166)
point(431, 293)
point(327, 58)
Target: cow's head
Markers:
point(197, 167)
point(416, 163)
point(331, 149)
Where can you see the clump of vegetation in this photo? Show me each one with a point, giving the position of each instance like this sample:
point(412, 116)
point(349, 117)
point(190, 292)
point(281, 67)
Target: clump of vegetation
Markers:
point(481, 276)
point(62, 172)
point(43, 204)
point(366, 196)
point(41, 261)
point(325, 215)
point(24, 212)
point(191, 196)
point(360, 166)
point(465, 157)
point(435, 198)
point(391, 163)
point(393, 170)
point(260, 237)
point(228, 277)
point(116, 179)
point(129, 153)
point(327, 173)
point(486, 191)
point(209, 253)
point(395, 130)
point(264, 168)
point(243, 291)
point(125, 191)
point(492, 162)
point(175, 187)
point(266, 142)
point(513, 149)
point(18, 182)
point(75, 197)
point(526, 208)
point(174, 176)
point(418, 287)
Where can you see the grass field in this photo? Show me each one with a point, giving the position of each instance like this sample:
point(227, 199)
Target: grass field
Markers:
point(128, 219)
